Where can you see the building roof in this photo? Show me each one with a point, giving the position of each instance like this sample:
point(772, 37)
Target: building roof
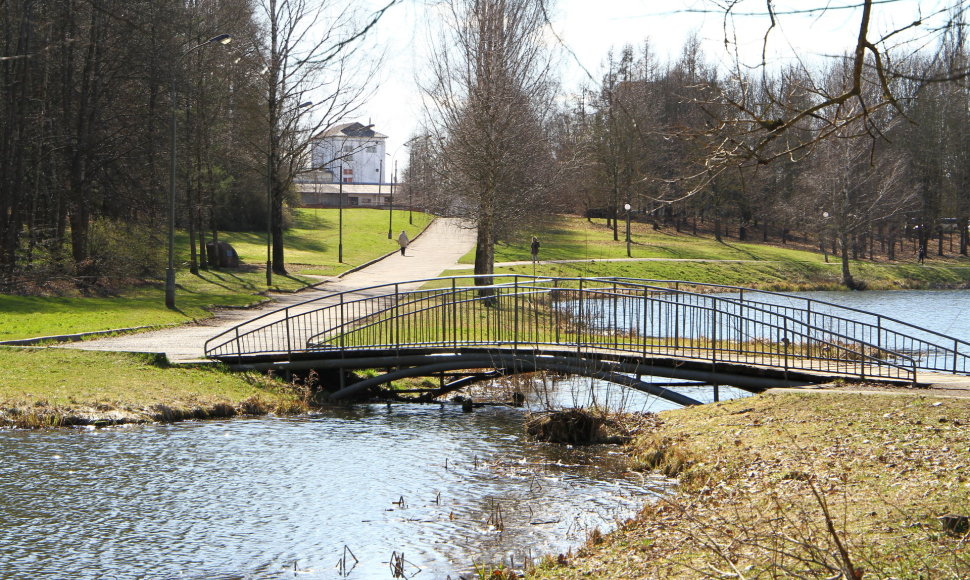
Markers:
point(350, 130)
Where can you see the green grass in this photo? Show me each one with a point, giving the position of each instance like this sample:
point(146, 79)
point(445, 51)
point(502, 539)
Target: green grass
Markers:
point(312, 243)
point(47, 385)
point(35, 316)
point(731, 262)
point(311, 248)
point(575, 238)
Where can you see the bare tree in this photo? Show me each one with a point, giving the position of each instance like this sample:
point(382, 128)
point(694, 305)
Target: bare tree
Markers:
point(878, 56)
point(491, 99)
point(851, 185)
point(309, 50)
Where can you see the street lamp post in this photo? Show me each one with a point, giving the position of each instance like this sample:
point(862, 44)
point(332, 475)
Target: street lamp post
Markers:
point(626, 206)
point(390, 202)
point(410, 170)
point(170, 270)
point(390, 208)
point(340, 214)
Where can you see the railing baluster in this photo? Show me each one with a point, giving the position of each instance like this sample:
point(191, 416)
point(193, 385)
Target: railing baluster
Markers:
point(714, 333)
point(644, 305)
point(579, 320)
point(515, 315)
point(289, 347)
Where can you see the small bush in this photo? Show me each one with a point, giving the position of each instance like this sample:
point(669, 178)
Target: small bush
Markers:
point(121, 251)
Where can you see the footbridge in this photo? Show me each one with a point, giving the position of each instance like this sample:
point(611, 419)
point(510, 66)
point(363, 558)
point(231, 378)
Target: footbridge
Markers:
point(616, 329)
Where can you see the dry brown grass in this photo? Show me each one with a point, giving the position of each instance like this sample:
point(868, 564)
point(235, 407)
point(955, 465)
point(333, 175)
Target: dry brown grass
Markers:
point(790, 485)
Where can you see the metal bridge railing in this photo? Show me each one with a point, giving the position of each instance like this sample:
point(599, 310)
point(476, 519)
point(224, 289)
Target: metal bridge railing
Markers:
point(596, 315)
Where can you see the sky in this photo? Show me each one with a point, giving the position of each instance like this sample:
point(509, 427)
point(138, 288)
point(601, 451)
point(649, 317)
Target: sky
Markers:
point(589, 29)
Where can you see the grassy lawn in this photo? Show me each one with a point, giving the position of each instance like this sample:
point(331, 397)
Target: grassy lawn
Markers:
point(575, 238)
point(312, 243)
point(41, 387)
point(34, 316)
point(311, 249)
point(758, 476)
point(757, 266)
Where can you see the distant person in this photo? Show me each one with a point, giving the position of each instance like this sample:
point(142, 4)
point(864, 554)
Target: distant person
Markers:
point(403, 241)
point(535, 249)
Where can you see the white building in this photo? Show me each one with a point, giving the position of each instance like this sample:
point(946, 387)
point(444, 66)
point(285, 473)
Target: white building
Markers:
point(351, 153)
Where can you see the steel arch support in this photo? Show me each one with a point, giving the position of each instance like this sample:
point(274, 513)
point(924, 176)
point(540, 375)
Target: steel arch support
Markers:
point(519, 364)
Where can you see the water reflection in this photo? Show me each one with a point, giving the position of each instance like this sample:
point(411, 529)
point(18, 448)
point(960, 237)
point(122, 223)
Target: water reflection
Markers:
point(254, 498)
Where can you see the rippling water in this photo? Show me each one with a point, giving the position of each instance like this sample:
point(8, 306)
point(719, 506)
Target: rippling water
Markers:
point(943, 311)
point(254, 498)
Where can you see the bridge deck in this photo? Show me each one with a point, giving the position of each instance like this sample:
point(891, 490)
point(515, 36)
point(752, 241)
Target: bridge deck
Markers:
point(753, 375)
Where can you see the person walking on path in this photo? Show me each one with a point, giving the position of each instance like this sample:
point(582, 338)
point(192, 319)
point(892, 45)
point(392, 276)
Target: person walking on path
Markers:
point(403, 241)
point(535, 249)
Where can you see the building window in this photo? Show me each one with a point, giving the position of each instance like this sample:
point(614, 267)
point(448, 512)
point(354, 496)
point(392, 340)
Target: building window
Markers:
point(348, 147)
point(372, 148)
point(348, 171)
point(348, 179)
point(353, 201)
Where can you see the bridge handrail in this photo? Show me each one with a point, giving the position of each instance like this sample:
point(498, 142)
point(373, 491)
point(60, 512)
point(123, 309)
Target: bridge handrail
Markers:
point(910, 368)
point(741, 291)
point(659, 285)
point(648, 282)
point(810, 334)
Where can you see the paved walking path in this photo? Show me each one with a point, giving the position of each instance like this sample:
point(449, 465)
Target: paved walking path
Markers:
point(438, 248)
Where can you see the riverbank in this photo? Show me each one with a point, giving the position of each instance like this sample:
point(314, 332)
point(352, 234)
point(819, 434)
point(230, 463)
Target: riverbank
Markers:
point(59, 388)
point(797, 485)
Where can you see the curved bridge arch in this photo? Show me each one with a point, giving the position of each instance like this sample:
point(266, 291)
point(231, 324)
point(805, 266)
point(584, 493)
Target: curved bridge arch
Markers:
point(741, 332)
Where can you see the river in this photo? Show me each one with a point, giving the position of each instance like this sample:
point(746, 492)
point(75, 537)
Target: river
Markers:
point(253, 498)
point(943, 311)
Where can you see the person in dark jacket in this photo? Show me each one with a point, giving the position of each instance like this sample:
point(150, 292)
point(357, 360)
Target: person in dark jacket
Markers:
point(535, 249)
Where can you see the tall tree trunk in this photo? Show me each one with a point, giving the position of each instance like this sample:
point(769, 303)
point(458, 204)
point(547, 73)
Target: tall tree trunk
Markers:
point(962, 224)
point(847, 280)
point(485, 247)
point(203, 252)
point(277, 218)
